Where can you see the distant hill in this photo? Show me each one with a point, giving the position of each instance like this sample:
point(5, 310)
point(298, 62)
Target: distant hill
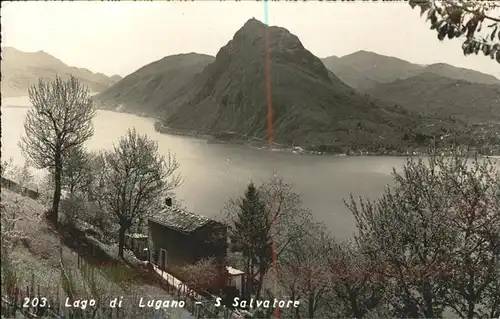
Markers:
point(457, 73)
point(363, 70)
point(149, 89)
point(435, 95)
point(115, 78)
point(21, 69)
point(348, 73)
point(311, 106)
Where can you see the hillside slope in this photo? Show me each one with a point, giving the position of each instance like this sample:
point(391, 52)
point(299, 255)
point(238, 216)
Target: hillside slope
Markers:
point(311, 106)
point(348, 73)
point(36, 259)
point(435, 95)
point(21, 69)
point(363, 70)
point(150, 89)
point(457, 73)
point(376, 68)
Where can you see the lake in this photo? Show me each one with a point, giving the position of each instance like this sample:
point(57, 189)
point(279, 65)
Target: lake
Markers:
point(213, 173)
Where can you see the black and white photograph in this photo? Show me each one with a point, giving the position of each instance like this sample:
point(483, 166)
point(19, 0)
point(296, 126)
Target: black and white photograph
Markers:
point(250, 159)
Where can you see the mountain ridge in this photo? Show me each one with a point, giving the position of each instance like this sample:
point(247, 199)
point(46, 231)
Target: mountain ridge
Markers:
point(22, 69)
point(142, 87)
point(363, 70)
point(432, 94)
point(311, 106)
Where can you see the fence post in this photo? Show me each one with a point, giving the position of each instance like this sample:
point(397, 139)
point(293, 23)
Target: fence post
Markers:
point(38, 296)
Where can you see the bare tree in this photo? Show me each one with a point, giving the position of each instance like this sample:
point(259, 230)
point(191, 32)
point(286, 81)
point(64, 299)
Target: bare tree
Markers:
point(435, 235)
point(59, 121)
point(356, 289)
point(267, 216)
point(76, 174)
point(492, 296)
point(475, 216)
point(202, 275)
point(133, 181)
point(304, 270)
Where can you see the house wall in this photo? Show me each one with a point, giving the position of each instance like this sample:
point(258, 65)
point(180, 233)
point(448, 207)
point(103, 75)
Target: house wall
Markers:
point(208, 241)
point(179, 246)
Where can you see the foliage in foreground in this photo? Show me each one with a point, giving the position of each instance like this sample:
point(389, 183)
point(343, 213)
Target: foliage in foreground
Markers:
point(429, 245)
point(435, 237)
point(59, 122)
point(476, 21)
point(133, 178)
point(263, 223)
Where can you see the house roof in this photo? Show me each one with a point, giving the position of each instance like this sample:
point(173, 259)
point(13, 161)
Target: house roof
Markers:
point(180, 220)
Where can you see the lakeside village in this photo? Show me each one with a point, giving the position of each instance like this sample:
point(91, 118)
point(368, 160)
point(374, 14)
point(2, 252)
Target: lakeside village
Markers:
point(441, 142)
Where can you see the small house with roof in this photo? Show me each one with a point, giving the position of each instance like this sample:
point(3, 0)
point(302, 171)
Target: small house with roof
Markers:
point(179, 238)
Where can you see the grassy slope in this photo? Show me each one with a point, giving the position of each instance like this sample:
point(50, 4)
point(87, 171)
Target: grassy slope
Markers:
point(38, 254)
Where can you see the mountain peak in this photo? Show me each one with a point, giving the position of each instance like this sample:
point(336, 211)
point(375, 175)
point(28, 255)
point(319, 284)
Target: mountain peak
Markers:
point(363, 54)
point(254, 22)
point(252, 29)
point(278, 38)
point(250, 43)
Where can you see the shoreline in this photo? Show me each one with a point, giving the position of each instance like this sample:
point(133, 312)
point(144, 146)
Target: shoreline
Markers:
point(256, 143)
point(259, 144)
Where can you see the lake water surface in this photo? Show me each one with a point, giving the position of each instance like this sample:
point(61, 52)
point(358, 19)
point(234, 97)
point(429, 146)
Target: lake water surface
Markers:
point(213, 173)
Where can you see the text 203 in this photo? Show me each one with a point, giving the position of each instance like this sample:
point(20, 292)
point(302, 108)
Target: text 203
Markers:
point(35, 302)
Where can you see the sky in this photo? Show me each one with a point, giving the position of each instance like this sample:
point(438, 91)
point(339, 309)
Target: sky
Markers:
point(121, 37)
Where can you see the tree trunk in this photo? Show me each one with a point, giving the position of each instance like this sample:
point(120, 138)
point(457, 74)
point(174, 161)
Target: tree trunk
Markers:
point(311, 306)
point(260, 282)
point(248, 287)
point(121, 240)
point(471, 300)
point(470, 310)
point(428, 299)
point(353, 299)
point(57, 189)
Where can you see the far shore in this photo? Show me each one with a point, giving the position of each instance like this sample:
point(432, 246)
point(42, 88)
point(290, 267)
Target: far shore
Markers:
point(253, 142)
point(263, 144)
